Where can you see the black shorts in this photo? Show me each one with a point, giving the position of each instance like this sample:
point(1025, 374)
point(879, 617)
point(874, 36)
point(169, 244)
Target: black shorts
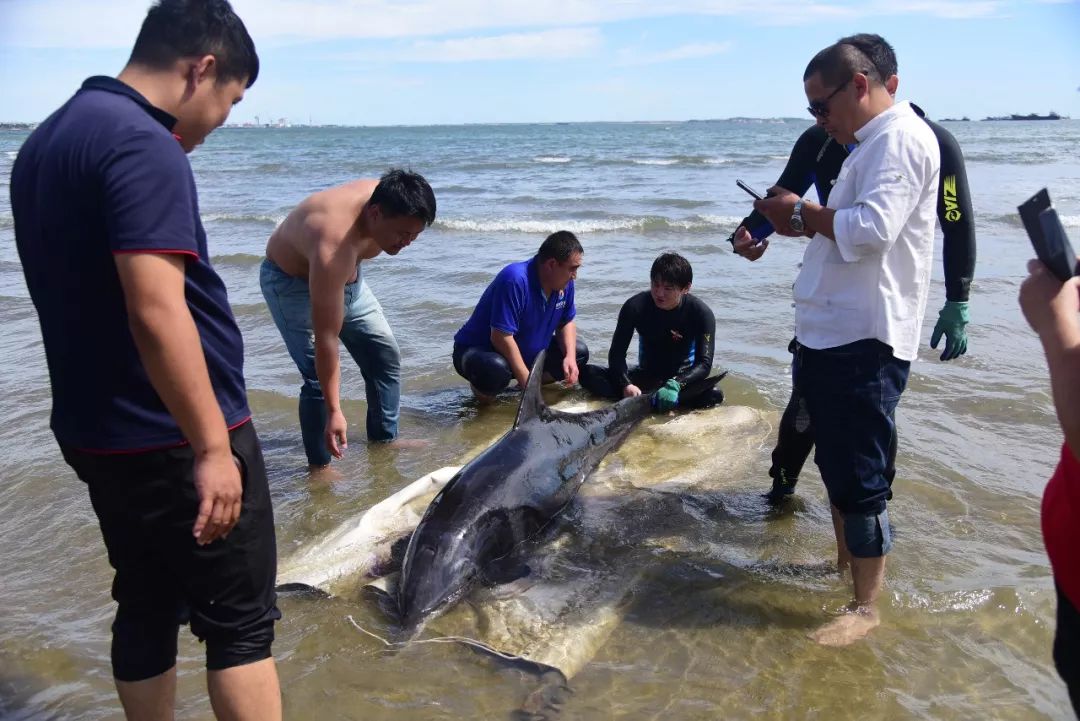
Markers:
point(146, 505)
point(1067, 647)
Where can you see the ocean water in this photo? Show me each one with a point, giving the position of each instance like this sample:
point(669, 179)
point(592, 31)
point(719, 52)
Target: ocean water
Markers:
point(968, 605)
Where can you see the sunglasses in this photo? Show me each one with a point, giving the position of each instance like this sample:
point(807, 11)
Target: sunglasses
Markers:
point(820, 108)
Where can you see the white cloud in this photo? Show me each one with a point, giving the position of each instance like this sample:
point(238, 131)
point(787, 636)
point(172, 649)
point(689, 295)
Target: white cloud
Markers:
point(114, 23)
point(691, 51)
point(947, 9)
point(544, 45)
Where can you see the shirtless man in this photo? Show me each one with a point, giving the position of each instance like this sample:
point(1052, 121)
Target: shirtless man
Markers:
point(316, 293)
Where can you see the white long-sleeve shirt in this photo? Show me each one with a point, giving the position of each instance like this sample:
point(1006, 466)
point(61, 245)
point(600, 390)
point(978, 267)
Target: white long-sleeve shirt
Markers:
point(873, 280)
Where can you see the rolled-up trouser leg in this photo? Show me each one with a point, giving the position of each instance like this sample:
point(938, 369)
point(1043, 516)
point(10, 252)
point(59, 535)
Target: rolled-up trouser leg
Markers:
point(851, 394)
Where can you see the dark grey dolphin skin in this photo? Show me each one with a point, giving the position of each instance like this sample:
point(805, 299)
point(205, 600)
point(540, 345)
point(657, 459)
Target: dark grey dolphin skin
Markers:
point(506, 495)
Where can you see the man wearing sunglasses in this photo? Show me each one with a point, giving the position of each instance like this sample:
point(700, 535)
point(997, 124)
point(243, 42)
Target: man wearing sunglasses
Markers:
point(860, 298)
point(816, 160)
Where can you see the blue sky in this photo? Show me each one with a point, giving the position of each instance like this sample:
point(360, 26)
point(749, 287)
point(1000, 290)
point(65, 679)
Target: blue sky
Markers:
point(379, 62)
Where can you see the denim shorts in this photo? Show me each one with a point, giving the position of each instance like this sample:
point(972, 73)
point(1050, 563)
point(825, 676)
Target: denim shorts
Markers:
point(851, 394)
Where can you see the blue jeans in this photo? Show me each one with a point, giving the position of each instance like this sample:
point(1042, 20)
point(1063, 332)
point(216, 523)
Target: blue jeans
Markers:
point(851, 394)
point(364, 333)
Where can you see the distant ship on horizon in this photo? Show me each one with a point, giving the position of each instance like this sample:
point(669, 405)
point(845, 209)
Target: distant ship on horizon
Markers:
point(1030, 116)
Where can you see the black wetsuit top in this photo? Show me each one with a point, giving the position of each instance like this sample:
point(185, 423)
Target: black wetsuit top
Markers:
point(675, 343)
point(816, 160)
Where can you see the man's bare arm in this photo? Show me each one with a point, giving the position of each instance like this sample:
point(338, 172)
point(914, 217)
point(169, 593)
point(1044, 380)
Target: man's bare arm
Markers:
point(171, 351)
point(507, 347)
point(1051, 308)
point(568, 336)
point(331, 265)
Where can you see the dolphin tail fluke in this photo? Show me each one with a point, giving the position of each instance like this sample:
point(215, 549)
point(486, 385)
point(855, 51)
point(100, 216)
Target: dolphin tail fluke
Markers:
point(531, 400)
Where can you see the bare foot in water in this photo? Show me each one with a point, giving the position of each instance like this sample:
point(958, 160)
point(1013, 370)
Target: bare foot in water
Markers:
point(324, 474)
point(844, 630)
point(482, 398)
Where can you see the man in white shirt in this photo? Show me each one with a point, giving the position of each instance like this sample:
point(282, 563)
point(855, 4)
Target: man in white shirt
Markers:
point(859, 304)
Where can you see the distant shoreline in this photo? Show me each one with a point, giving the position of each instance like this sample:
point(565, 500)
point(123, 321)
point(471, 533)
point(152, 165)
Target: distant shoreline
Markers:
point(13, 125)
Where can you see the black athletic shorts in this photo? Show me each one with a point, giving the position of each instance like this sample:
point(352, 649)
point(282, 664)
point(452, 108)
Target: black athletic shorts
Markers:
point(146, 505)
point(1067, 647)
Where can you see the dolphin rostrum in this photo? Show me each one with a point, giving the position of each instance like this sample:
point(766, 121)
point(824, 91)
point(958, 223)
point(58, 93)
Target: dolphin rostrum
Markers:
point(506, 495)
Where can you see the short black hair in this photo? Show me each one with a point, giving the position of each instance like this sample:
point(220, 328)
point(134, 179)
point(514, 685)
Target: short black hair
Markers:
point(672, 268)
point(877, 49)
point(560, 245)
point(838, 63)
point(405, 193)
point(175, 29)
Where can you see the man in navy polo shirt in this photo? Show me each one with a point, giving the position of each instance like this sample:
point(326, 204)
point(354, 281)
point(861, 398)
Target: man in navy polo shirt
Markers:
point(146, 361)
point(529, 307)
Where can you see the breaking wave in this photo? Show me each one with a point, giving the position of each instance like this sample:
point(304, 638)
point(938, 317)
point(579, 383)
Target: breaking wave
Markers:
point(645, 224)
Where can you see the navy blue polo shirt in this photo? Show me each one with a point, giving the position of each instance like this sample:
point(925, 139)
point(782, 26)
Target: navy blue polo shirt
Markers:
point(515, 303)
point(104, 175)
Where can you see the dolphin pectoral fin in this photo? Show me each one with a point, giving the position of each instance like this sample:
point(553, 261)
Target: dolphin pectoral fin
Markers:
point(506, 570)
point(531, 400)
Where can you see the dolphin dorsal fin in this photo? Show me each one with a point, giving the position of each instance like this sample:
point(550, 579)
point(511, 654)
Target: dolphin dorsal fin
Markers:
point(531, 400)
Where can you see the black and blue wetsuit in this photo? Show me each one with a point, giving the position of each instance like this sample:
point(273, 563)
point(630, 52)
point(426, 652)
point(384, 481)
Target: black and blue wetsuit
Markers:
point(676, 343)
point(816, 160)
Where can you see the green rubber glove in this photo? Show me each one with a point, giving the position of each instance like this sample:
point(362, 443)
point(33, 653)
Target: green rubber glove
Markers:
point(667, 397)
point(952, 320)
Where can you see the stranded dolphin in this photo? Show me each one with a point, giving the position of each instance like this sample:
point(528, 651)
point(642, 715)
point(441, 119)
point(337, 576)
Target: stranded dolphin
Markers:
point(506, 496)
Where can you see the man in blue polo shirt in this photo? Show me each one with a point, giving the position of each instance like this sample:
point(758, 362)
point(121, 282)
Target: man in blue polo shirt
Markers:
point(146, 360)
point(527, 308)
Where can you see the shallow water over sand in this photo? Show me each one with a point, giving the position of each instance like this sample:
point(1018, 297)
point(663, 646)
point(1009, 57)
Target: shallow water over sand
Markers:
point(716, 627)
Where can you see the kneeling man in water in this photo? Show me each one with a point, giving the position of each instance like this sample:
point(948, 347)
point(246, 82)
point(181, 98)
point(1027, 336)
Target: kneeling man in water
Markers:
point(676, 333)
point(527, 308)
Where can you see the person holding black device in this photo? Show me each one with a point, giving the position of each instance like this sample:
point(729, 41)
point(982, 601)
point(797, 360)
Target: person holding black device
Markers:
point(860, 297)
point(1050, 300)
point(816, 160)
point(1051, 308)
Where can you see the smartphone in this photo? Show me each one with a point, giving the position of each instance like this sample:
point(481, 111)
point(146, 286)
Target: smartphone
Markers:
point(1048, 236)
point(750, 190)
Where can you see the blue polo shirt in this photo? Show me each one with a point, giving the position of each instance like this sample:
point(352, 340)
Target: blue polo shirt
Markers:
point(104, 175)
point(515, 303)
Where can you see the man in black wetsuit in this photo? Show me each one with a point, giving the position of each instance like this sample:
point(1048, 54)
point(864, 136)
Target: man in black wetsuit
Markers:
point(676, 333)
point(816, 160)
